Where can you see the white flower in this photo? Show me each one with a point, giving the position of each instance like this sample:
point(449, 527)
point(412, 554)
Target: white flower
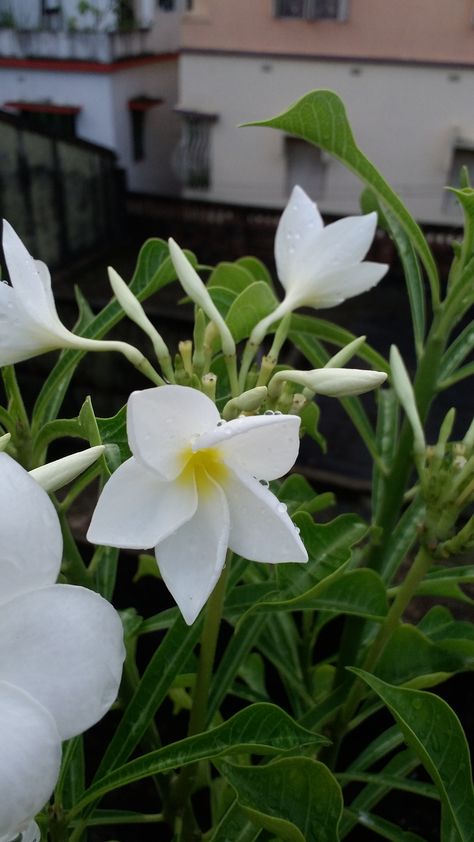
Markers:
point(61, 652)
point(191, 490)
point(320, 266)
point(29, 323)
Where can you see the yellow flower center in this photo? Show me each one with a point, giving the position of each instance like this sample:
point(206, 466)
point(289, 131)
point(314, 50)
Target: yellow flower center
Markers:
point(202, 465)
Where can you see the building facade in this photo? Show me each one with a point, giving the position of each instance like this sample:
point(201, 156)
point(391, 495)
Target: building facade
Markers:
point(405, 71)
point(103, 71)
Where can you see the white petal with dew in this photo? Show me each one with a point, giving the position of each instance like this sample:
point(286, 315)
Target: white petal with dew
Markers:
point(343, 243)
point(137, 509)
point(31, 545)
point(56, 474)
point(20, 337)
point(29, 760)
point(162, 423)
point(333, 288)
point(260, 527)
point(192, 559)
point(28, 283)
point(266, 446)
point(63, 644)
point(298, 229)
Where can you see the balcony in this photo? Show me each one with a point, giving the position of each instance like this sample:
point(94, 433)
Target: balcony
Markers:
point(98, 45)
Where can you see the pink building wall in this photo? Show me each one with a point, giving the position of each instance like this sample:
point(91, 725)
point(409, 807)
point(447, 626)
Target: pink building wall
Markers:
point(438, 31)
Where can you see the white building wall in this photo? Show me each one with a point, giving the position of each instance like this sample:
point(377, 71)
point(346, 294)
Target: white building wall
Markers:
point(154, 174)
point(405, 118)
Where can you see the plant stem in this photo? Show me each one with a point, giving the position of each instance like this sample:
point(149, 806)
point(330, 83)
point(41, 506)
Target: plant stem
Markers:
point(405, 592)
point(197, 722)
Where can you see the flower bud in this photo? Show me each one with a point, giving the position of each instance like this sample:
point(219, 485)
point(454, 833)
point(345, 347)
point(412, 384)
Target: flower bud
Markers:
point(58, 473)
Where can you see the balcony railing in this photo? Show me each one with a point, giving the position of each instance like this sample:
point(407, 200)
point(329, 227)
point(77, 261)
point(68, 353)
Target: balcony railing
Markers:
point(88, 46)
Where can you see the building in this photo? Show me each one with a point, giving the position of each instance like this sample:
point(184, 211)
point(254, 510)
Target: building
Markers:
point(405, 71)
point(104, 71)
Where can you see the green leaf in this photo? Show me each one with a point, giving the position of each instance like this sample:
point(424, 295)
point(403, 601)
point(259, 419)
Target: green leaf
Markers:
point(230, 276)
point(401, 540)
point(71, 784)
point(310, 415)
point(300, 496)
point(259, 729)
point(401, 765)
point(113, 430)
point(252, 305)
point(105, 565)
point(446, 581)
point(411, 268)
point(234, 827)
point(257, 269)
point(456, 353)
point(320, 118)
point(410, 656)
point(306, 329)
point(297, 799)
point(384, 828)
point(160, 673)
point(386, 443)
point(435, 734)
point(223, 299)
point(241, 642)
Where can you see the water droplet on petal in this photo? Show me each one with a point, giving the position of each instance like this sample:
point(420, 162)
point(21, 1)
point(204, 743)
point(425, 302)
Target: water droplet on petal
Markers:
point(281, 508)
point(264, 482)
point(269, 412)
point(221, 423)
point(277, 412)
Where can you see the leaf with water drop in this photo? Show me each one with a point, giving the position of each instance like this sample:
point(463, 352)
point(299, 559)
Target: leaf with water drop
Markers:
point(431, 728)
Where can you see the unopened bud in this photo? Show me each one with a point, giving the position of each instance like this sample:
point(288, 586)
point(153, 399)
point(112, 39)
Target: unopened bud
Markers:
point(58, 473)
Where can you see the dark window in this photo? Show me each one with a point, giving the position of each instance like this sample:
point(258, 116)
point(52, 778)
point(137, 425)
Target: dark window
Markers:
point(306, 166)
point(311, 9)
point(137, 118)
point(166, 5)
point(193, 154)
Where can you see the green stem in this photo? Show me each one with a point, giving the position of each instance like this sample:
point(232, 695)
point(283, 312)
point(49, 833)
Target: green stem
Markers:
point(75, 569)
point(142, 818)
point(198, 720)
point(406, 591)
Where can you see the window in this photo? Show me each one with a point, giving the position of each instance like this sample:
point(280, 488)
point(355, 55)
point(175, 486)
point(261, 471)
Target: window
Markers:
point(193, 159)
point(311, 9)
point(462, 156)
point(306, 166)
point(166, 5)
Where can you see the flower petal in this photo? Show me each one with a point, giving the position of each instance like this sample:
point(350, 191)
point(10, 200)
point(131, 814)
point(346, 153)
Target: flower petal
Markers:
point(162, 423)
point(136, 509)
point(265, 446)
point(63, 645)
point(29, 760)
point(192, 559)
point(343, 243)
point(20, 337)
point(344, 283)
point(260, 527)
point(29, 284)
point(297, 233)
point(29, 557)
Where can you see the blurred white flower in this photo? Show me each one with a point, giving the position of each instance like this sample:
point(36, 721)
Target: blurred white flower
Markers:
point(29, 323)
point(320, 266)
point(61, 652)
point(191, 490)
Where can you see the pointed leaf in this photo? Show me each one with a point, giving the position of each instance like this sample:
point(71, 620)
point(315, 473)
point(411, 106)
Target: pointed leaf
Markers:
point(435, 734)
point(296, 799)
point(320, 118)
